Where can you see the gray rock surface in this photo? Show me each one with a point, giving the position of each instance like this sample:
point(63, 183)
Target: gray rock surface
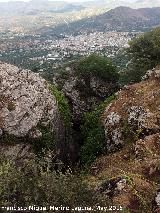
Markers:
point(25, 101)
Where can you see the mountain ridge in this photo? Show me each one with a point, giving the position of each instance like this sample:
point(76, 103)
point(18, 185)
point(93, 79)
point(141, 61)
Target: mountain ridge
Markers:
point(118, 19)
point(22, 8)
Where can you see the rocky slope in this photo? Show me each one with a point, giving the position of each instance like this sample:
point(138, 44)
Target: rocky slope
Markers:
point(136, 111)
point(130, 174)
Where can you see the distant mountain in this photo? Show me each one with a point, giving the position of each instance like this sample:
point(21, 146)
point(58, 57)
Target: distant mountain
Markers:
point(44, 15)
point(130, 3)
point(33, 7)
point(18, 8)
point(118, 19)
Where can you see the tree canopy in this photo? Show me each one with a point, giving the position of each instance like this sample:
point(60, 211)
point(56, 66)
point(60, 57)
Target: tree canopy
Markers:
point(98, 66)
point(144, 54)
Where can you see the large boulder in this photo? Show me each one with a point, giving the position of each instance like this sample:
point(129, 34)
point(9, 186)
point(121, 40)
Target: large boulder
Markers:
point(27, 109)
point(25, 100)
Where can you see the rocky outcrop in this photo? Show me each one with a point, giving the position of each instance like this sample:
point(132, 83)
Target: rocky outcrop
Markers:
point(28, 110)
point(135, 113)
point(83, 95)
point(25, 102)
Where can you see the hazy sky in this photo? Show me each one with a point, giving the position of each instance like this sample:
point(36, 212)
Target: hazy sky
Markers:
point(50, 0)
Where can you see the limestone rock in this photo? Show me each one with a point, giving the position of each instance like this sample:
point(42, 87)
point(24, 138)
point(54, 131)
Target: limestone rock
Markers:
point(25, 101)
point(154, 73)
point(156, 202)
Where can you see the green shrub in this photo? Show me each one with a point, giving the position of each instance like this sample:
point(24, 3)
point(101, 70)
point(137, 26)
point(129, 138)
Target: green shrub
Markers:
point(32, 185)
point(93, 134)
point(132, 75)
point(98, 66)
point(146, 49)
point(63, 106)
point(46, 142)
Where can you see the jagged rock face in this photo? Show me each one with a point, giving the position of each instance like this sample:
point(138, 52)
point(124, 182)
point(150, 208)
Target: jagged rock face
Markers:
point(135, 113)
point(25, 101)
point(83, 96)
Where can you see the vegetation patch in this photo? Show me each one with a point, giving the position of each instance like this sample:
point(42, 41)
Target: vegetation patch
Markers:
point(46, 141)
point(33, 185)
point(10, 139)
point(132, 133)
point(63, 106)
point(97, 66)
point(93, 134)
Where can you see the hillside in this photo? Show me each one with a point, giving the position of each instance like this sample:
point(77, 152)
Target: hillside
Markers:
point(79, 114)
point(130, 3)
point(130, 176)
point(119, 19)
point(30, 16)
point(19, 16)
